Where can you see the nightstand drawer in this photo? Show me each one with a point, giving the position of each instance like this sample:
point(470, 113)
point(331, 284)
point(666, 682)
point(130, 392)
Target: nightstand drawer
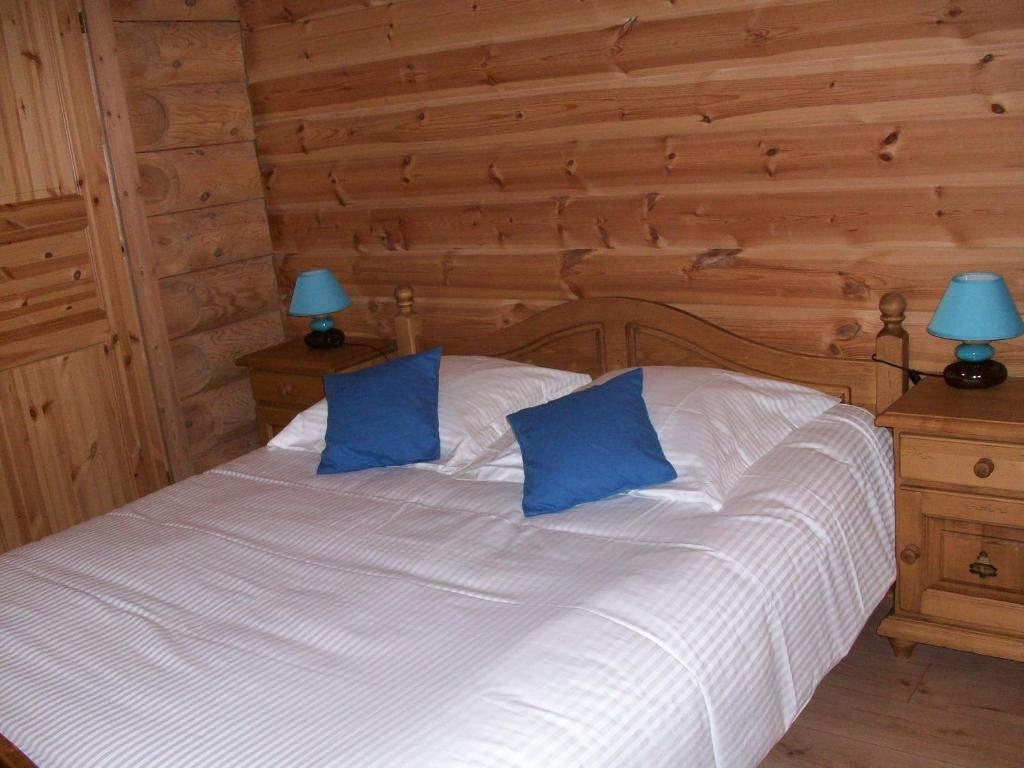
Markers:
point(286, 388)
point(992, 467)
point(982, 560)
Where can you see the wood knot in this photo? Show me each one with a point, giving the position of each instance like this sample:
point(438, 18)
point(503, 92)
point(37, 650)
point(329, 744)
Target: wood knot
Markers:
point(177, 63)
point(999, 109)
point(33, 413)
point(892, 138)
point(626, 28)
point(885, 157)
point(848, 331)
point(717, 258)
point(77, 275)
point(205, 196)
point(772, 151)
point(758, 36)
point(573, 257)
point(988, 58)
point(495, 177)
point(852, 287)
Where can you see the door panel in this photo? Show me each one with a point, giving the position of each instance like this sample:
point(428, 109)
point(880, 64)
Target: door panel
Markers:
point(79, 431)
point(35, 160)
point(67, 411)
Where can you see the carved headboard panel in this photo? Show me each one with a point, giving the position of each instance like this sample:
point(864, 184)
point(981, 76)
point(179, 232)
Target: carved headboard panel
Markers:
point(598, 335)
point(577, 348)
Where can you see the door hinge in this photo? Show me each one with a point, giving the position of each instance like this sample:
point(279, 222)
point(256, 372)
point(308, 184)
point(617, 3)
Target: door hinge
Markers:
point(81, 21)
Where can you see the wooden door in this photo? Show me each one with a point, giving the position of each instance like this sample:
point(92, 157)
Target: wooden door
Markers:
point(79, 430)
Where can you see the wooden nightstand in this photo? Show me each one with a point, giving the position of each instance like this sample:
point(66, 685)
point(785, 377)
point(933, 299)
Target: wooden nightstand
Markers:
point(288, 377)
point(959, 519)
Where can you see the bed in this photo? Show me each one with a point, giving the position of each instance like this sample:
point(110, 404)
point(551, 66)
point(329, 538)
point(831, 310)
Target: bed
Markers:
point(259, 613)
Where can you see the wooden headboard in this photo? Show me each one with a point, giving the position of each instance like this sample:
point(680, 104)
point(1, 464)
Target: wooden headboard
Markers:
point(599, 335)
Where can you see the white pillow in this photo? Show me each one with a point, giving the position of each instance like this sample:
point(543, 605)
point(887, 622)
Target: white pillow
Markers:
point(475, 394)
point(712, 425)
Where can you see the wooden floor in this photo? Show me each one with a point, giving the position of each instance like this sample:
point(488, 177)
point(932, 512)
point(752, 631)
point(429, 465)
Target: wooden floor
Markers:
point(938, 709)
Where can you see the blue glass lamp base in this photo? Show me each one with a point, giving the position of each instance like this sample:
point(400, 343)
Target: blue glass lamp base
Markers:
point(964, 374)
point(324, 335)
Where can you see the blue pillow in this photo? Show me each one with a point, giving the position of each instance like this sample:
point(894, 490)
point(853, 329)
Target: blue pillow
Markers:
point(588, 445)
point(382, 416)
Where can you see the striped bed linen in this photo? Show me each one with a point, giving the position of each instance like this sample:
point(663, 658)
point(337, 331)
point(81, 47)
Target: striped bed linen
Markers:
point(261, 615)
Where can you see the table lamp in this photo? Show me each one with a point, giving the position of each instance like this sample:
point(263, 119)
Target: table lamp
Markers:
point(317, 293)
point(977, 308)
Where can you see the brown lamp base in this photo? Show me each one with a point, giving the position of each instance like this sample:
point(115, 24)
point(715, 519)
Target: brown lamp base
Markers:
point(967, 375)
point(330, 339)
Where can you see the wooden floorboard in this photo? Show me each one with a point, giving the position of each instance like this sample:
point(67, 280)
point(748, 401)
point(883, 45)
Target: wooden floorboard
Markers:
point(938, 709)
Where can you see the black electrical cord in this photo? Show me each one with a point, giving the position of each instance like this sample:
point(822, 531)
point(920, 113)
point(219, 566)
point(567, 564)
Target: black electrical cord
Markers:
point(385, 355)
point(913, 374)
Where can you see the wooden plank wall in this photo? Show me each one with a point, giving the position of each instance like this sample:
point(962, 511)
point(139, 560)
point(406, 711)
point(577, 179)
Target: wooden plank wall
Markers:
point(183, 80)
point(774, 166)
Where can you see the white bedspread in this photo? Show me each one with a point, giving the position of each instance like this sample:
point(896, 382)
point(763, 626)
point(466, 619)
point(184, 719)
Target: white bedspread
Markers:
point(260, 615)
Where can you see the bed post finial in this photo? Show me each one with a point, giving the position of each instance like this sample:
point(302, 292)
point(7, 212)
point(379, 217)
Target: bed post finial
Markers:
point(408, 325)
point(891, 346)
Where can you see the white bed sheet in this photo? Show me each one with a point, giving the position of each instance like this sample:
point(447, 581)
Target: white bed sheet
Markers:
point(259, 615)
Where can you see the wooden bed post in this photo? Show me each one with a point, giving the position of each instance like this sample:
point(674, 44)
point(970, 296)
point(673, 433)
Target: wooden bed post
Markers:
point(408, 325)
point(891, 346)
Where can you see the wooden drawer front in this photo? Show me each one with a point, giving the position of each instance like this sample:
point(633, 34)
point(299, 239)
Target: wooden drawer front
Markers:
point(992, 467)
point(958, 551)
point(286, 388)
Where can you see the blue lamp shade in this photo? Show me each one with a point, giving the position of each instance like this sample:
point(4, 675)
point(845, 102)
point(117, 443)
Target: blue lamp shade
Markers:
point(976, 308)
point(317, 292)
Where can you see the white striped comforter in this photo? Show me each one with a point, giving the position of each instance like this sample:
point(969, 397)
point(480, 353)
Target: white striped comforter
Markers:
point(260, 615)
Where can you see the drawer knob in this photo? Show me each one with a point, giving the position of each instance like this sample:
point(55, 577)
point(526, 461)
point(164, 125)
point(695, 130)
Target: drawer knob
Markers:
point(984, 468)
point(982, 567)
point(910, 554)
point(287, 389)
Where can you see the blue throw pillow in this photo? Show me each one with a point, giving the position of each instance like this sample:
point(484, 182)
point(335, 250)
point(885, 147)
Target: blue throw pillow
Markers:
point(588, 445)
point(382, 416)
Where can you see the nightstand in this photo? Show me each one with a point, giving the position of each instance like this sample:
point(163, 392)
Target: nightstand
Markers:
point(288, 377)
point(959, 519)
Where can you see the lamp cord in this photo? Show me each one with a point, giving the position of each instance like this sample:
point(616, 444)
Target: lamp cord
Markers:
point(912, 373)
point(385, 355)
